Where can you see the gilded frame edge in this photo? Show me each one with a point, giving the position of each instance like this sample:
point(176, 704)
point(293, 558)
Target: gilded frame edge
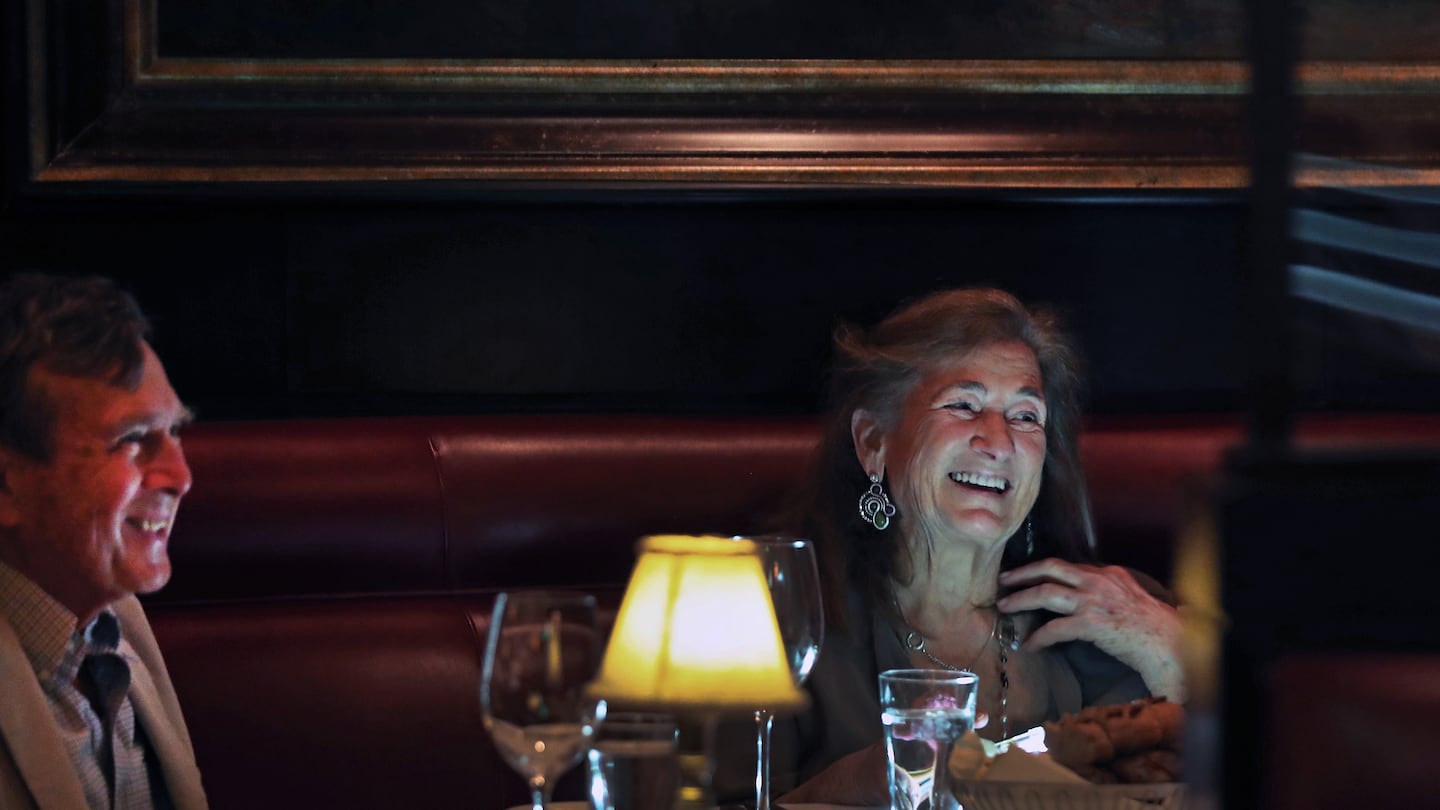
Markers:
point(889, 162)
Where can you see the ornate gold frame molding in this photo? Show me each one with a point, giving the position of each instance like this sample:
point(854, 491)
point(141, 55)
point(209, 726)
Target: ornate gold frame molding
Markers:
point(1069, 125)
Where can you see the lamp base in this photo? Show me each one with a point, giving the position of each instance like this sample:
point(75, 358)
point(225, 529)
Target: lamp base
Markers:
point(697, 762)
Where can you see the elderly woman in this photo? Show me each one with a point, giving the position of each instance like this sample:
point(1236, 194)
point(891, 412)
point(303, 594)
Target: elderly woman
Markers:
point(950, 514)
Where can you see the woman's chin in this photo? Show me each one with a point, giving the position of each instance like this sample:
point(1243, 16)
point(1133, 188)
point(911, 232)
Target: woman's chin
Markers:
point(983, 529)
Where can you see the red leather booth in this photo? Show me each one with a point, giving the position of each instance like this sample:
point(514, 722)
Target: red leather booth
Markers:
point(333, 577)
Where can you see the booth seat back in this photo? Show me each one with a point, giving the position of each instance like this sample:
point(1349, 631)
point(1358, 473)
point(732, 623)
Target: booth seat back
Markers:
point(334, 578)
point(426, 505)
point(332, 507)
point(344, 703)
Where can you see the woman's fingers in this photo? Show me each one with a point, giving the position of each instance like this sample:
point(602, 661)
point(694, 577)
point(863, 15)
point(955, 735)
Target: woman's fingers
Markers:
point(1050, 569)
point(1105, 606)
point(1055, 632)
point(1127, 637)
point(1050, 596)
point(1050, 580)
point(1102, 605)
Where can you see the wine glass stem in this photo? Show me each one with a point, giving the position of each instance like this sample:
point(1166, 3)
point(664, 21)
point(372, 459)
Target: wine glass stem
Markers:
point(539, 793)
point(763, 720)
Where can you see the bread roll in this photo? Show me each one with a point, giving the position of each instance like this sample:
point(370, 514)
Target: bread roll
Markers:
point(1078, 741)
point(1131, 726)
point(1135, 742)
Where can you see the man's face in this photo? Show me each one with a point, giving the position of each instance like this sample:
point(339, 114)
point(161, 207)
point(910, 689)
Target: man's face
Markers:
point(92, 524)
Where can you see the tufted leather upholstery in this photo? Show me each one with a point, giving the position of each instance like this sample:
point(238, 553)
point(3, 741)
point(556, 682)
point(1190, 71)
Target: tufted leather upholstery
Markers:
point(338, 703)
point(333, 578)
point(419, 505)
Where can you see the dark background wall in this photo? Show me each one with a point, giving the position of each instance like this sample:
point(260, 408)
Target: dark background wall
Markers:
point(702, 304)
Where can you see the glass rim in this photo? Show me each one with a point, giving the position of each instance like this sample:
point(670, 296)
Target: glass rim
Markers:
point(929, 675)
point(775, 540)
point(557, 595)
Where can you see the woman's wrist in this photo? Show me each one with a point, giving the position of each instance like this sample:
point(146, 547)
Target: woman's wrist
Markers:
point(1165, 673)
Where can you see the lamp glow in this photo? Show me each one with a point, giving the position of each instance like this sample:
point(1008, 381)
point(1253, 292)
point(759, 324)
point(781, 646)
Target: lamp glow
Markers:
point(696, 635)
point(696, 630)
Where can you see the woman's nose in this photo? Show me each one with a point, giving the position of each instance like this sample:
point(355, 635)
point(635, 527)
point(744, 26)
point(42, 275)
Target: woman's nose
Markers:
point(992, 435)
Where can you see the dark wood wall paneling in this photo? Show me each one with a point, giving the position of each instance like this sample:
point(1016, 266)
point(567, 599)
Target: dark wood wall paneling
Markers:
point(699, 306)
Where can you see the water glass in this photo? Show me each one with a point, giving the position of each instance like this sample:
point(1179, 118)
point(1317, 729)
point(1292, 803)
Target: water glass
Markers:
point(634, 763)
point(924, 711)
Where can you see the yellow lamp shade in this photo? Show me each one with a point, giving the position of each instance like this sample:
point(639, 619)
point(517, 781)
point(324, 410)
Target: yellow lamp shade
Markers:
point(697, 629)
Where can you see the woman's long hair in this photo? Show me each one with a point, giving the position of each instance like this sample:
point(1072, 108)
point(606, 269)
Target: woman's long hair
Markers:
point(875, 370)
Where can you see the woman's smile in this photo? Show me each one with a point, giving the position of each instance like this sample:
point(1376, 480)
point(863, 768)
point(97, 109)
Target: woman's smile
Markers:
point(984, 482)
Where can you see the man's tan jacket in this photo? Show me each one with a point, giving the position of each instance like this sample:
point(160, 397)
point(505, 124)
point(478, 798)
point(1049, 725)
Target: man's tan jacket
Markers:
point(35, 771)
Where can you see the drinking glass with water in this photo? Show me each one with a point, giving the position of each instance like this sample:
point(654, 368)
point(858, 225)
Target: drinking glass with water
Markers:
point(634, 762)
point(924, 711)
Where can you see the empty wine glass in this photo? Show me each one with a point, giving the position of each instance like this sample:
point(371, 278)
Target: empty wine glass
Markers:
point(794, 581)
point(541, 651)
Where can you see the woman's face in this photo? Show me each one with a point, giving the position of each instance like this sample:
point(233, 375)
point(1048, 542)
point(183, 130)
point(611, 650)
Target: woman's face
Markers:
point(965, 455)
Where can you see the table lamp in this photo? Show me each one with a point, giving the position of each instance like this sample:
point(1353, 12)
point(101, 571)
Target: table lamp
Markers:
point(696, 636)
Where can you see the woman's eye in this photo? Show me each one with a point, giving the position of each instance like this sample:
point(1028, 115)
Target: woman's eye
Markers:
point(968, 407)
point(1027, 418)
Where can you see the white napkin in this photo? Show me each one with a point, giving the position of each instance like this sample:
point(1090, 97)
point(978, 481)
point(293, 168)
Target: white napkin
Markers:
point(1015, 765)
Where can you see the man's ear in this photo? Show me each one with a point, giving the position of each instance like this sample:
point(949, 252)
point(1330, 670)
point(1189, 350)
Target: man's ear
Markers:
point(868, 436)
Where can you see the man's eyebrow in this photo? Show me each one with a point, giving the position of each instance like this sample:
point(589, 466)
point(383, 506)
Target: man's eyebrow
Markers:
point(147, 420)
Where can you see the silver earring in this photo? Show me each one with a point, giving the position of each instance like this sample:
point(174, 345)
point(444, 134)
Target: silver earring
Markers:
point(1029, 539)
point(875, 505)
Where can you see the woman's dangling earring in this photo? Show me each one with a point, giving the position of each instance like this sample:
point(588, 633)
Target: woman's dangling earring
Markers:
point(875, 505)
point(1029, 538)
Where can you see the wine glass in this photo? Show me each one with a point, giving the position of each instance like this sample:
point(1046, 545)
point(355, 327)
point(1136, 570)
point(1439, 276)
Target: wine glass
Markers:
point(542, 650)
point(794, 581)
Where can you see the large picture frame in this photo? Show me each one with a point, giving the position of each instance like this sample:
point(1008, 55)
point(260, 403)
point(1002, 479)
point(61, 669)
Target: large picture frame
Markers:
point(105, 106)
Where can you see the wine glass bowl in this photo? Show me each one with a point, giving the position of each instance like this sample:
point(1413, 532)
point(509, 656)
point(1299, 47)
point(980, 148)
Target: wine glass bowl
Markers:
point(794, 580)
point(541, 651)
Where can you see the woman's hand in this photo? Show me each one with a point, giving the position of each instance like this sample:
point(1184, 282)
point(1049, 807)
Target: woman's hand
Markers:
point(857, 778)
point(1106, 607)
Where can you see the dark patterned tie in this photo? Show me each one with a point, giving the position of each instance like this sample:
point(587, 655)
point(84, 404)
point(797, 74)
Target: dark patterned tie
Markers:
point(104, 679)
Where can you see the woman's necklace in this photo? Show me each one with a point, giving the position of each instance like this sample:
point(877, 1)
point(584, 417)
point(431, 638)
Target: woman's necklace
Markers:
point(1007, 641)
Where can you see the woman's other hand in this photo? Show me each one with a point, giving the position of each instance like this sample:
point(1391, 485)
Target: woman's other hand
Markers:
point(1106, 607)
point(857, 778)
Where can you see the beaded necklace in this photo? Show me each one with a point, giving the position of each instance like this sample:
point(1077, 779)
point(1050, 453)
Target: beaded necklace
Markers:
point(1006, 638)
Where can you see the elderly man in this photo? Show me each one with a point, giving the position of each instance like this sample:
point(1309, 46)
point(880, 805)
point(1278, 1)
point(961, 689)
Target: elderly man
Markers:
point(91, 475)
